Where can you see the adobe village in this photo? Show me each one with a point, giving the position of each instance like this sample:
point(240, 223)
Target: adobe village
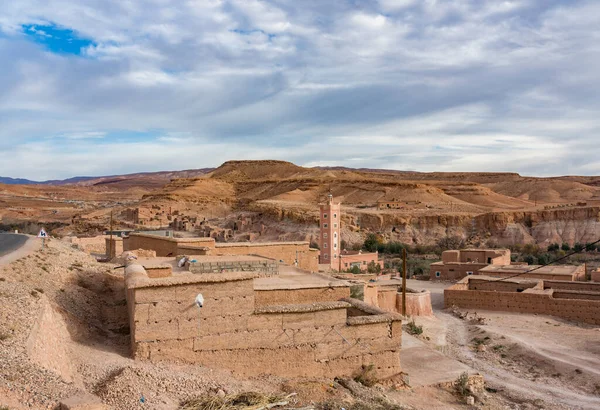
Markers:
point(232, 290)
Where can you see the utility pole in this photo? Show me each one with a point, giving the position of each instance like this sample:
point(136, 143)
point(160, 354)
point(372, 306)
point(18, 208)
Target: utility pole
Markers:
point(403, 281)
point(110, 241)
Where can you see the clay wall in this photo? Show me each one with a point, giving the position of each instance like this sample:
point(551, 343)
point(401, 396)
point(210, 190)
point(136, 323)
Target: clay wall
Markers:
point(273, 297)
point(389, 298)
point(386, 298)
point(95, 244)
point(417, 303)
point(450, 256)
point(163, 245)
point(500, 286)
point(528, 301)
point(266, 267)
point(285, 251)
point(572, 286)
point(453, 271)
point(114, 247)
point(293, 340)
point(192, 250)
point(595, 276)
point(362, 258)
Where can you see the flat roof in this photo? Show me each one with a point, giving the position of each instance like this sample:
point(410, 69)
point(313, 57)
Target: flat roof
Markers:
point(298, 280)
point(567, 270)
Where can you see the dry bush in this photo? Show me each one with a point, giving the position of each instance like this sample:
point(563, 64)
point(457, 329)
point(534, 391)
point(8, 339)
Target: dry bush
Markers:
point(461, 385)
point(366, 376)
point(241, 401)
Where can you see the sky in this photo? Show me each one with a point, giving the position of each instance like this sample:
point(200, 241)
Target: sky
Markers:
point(104, 87)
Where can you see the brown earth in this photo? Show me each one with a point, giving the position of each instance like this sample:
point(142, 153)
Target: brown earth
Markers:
point(63, 332)
point(504, 208)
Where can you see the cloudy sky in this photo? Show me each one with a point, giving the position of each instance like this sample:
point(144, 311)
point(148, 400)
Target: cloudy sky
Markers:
point(100, 87)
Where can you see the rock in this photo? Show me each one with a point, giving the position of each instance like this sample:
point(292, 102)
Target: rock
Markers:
point(221, 393)
point(470, 400)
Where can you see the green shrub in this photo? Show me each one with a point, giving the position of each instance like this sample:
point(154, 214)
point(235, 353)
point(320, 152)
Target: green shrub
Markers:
point(414, 329)
point(461, 385)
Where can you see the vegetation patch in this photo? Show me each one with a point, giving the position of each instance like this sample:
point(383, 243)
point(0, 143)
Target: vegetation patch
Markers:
point(245, 401)
point(366, 376)
point(412, 328)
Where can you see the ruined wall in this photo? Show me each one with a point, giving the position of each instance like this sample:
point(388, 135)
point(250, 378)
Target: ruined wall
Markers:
point(528, 301)
point(285, 251)
point(164, 246)
point(95, 244)
point(293, 340)
point(596, 276)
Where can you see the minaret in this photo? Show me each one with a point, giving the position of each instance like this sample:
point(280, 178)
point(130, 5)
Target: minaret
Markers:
point(329, 236)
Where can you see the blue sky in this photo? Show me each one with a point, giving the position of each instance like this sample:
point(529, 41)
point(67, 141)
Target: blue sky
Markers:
point(109, 86)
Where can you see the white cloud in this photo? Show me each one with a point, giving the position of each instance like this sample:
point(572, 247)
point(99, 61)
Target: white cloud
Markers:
point(427, 85)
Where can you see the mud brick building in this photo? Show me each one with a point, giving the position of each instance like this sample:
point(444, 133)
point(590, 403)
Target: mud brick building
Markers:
point(576, 301)
point(296, 326)
point(456, 264)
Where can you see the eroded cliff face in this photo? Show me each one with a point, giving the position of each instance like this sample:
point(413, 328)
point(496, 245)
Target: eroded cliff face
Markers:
point(507, 228)
point(571, 225)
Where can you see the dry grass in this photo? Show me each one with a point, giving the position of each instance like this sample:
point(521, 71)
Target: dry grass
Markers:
point(241, 401)
point(367, 376)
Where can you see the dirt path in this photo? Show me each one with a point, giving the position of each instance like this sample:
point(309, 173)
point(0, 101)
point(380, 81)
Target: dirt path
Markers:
point(518, 388)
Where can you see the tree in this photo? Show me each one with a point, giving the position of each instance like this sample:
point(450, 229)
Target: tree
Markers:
point(373, 267)
point(355, 269)
point(451, 242)
point(530, 259)
point(371, 242)
point(565, 247)
point(543, 259)
point(590, 248)
point(578, 247)
point(553, 247)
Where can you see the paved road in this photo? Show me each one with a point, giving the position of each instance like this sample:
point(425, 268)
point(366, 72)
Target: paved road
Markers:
point(10, 242)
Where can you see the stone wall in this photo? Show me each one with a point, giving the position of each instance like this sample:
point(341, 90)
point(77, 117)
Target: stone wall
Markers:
point(292, 340)
point(308, 259)
point(574, 306)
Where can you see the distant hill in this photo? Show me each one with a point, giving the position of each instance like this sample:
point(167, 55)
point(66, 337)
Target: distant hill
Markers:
point(16, 181)
point(160, 175)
